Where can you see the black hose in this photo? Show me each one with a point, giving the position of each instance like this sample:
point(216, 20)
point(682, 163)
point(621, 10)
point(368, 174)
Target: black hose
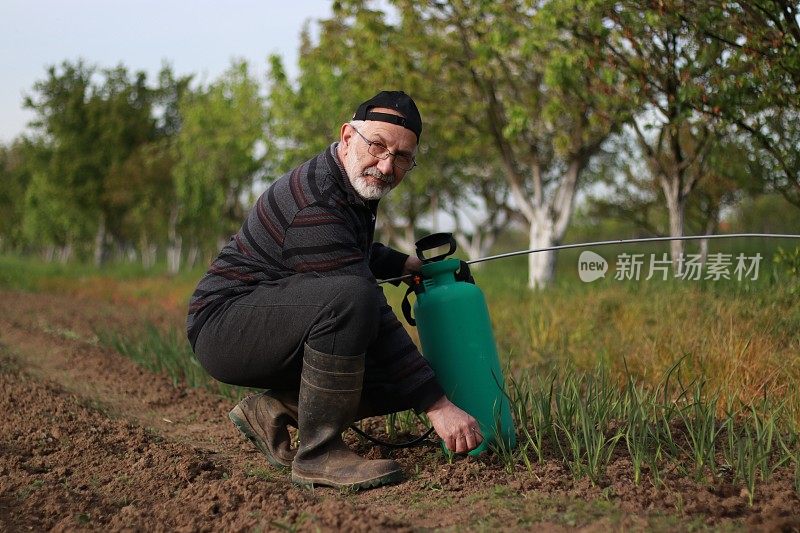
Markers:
point(413, 442)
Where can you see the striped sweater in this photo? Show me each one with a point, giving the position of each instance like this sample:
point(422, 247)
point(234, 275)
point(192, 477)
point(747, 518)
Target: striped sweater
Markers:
point(312, 220)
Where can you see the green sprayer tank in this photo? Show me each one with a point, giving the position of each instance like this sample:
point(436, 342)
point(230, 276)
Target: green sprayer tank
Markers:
point(457, 340)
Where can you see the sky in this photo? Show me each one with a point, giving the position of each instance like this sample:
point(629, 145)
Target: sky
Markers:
point(195, 36)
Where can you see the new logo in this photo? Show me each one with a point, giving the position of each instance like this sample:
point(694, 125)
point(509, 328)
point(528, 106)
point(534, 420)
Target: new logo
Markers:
point(591, 266)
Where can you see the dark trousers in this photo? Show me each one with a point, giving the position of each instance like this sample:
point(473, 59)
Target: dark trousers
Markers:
point(259, 340)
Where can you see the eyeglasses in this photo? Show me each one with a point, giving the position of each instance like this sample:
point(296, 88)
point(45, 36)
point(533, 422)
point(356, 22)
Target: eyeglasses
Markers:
point(401, 161)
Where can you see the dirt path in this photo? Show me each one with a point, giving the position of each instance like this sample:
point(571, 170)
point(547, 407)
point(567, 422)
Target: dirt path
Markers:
point(89, 440)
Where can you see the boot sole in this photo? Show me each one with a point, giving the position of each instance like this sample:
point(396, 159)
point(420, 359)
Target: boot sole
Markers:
point(310, 481)
point(240, 421)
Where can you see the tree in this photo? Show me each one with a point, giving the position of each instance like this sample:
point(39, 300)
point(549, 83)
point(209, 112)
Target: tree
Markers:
point(64, 187)
point(217, 158)
point(519, 81)
point(756, 87)
point(488, 194)
point(86, 130)
point(122, 120)
point(143, 189)
point(15, 176)
point(665, 67)
point(632, 191)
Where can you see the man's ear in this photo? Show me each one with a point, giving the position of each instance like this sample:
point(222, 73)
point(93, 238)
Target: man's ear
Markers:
point(345, 134)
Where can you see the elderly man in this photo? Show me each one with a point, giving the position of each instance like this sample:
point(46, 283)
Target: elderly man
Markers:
point(291, 305)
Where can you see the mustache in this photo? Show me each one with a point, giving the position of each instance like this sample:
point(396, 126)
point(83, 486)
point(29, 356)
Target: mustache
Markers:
point(373, 171)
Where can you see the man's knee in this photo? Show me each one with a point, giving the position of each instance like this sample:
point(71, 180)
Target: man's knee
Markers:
point(356, 296)
point(350, 320)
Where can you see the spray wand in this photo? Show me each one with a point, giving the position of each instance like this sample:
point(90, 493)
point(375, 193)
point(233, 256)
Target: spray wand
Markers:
point(606, 243)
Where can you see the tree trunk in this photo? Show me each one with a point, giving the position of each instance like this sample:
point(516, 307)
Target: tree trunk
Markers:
point(100, 241)
point(148, 251)
point(710, 229)
point(149, 256)
point(541, 265)
point(194, 253)
point(174, 245)
point(478, 244)
point(548, 224)
point(676, 206)
point(472, 245)
point(131, 254)
point(65, 253)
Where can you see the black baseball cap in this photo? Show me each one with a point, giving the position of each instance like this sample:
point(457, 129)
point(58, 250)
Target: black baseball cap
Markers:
point(397, 100)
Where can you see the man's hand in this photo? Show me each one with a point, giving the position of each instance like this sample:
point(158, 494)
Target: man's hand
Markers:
point(458, 430)
point(413, 265)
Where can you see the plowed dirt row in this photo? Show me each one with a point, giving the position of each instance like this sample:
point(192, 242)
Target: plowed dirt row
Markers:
point(88, 440)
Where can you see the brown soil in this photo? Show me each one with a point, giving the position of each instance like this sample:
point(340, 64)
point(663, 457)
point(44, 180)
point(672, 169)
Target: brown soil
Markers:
point(89, 440)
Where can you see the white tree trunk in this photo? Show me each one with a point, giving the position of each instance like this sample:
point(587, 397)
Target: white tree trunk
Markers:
point(65, 253)
point(710, 229)
point(175, 244)
point(148, 251)
point(131, 254)
point(471, 245)
point(194, 253)
point(476, 246)
point(400, 238)
point(149, 256)
point(548, 224)
point(409, 240)
point(676, 207)
point(541, 265)
point(703, 251)
point(100, 241)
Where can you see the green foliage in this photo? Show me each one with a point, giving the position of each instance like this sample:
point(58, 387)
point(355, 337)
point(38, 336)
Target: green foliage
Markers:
point(790, 260)
point(789, 263)
point(756, 85)
point(217, 161)
point(769, 213)
point(15, 177)
point(61, 202)
point(85, 131)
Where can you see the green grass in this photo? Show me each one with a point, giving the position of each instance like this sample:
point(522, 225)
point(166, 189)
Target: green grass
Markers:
point(28, 272)
point(167, 353)
point(583, 419)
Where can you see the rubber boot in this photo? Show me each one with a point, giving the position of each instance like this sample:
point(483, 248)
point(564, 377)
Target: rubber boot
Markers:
point(330, 391)
point(264, 419)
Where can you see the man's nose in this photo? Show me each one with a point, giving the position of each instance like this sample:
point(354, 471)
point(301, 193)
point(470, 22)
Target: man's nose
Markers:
point(386, 166)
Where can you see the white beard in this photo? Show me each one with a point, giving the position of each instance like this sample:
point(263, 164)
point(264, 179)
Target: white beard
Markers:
point(370, 191)
point(359, 181)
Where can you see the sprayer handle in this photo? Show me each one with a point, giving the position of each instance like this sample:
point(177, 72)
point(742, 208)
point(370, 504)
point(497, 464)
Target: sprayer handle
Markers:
point(406, 307)
point(435, 240)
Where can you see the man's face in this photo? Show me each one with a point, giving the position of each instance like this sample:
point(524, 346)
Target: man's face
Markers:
point(371, 177)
